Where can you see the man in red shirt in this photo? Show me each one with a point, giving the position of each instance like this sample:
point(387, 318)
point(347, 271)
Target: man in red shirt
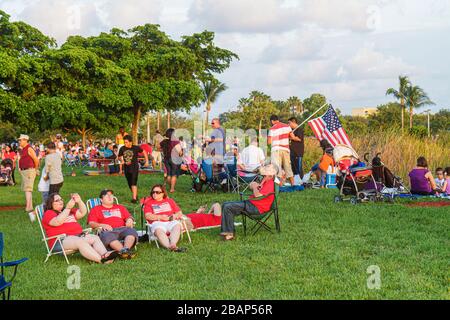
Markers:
point(29, 169)
point(250, 207)
point(116, 224)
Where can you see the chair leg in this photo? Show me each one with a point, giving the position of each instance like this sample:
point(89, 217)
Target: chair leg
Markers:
point(9, 293)
point(244, 224)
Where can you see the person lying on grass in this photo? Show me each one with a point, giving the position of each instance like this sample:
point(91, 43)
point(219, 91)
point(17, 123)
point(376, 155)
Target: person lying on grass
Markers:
point(164, 216)
point(250, 207)
point(202, 218)
point(64, 220)
point(116, 225)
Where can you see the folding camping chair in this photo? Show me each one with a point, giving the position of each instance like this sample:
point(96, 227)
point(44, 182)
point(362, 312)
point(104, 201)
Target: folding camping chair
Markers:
point(245, 178)
point(39, 211)
point(211, 180)
point(3, 283)
point(232, 179)
point(152, 237)
point(261, 220)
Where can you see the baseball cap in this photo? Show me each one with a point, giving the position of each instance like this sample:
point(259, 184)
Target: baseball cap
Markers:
point(24, 137)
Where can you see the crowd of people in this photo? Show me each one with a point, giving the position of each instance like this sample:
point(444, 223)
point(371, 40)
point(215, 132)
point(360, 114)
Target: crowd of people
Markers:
point(117, 236)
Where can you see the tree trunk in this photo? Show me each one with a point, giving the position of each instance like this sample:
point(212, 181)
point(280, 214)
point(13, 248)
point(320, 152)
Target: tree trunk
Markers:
point(402, 102)
point(168, 119)
point(137, 116)
point(411, 111)
point(158, 120)
point(148, 127)
point(83, 132)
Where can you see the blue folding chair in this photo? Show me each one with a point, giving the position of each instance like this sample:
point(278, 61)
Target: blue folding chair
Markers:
point(207, 168)
point(3, 283)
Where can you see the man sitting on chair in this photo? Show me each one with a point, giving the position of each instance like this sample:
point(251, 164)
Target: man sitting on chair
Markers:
point(250, 207)
point(116, 224)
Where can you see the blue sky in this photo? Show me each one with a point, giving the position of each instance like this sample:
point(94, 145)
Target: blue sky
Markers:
point(351, 50)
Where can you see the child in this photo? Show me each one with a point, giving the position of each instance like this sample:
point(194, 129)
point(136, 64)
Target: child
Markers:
point(325, 166)
point(447, 180)
point(441, 181)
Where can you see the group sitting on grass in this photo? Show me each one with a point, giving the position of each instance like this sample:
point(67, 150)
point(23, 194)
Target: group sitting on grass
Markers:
point(423, 183)
point(114, 225)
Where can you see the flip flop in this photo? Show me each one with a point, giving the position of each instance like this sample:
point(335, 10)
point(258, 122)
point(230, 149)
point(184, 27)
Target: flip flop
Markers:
point(113, 255)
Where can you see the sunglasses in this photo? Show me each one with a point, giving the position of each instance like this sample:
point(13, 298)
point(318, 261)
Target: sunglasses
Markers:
point(157, 192)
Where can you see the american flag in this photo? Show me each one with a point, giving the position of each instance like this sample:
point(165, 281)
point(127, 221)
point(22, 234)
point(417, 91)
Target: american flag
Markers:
point(329, 127)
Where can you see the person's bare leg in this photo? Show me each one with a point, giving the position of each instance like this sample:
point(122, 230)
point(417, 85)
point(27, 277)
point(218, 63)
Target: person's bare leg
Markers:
point(83, 246)
point(175, 236)
point(29, 201)
point(129, 241)
point(116, 245)
point(134, 191)
point(173, 182)
point(97, 244)
point(162, 238)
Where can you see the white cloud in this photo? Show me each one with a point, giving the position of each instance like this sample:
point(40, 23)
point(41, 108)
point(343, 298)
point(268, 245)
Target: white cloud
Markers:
point(61, 18)
point(266, 16)
point(130, 13)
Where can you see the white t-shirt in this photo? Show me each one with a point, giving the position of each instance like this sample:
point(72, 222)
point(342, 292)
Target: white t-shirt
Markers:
point(44, 186)
point(252, 157)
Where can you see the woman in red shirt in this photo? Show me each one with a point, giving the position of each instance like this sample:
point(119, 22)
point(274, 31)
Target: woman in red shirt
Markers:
point(251, 207)
point(59, 220)
point(8, 153)
point(163, 214)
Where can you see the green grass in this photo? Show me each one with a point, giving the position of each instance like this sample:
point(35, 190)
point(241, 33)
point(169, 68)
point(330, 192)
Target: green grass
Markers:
point(323, 252)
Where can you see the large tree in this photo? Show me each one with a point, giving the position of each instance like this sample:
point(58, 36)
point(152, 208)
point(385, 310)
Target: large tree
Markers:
point(165, 74)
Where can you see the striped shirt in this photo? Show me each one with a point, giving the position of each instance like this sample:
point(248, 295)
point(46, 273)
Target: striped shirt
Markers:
point(280, 137)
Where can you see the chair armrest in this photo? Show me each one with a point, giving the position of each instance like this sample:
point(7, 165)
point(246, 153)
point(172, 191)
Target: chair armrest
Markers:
point(63, 235)
point(13, 263)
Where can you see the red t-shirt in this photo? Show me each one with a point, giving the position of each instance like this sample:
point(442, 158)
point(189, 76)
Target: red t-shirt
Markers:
point(70, 227)
point(11, 155)
point(264, 205)
point(116, 216)
point(200, 220)
point(146, 148)
point(165, 207)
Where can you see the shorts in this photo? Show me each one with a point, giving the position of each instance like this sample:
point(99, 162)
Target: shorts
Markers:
point(117, 234)
point(282, 159)
point(173, 170)
point(131, 174)
point(157, 156)
point(166, 226)
point(28, 177)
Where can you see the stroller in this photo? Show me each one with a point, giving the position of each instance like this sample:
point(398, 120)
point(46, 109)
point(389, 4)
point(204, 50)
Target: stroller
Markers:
point(354, 178)
point(192, 168)
point(6, 173)
point(389, 185)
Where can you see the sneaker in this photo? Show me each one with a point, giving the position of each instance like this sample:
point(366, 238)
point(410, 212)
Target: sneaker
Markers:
point(126, 253)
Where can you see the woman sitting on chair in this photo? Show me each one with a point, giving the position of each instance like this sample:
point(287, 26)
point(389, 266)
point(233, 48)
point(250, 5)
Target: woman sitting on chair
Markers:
point(59, 220)
point(163, 215)
point(250, 207)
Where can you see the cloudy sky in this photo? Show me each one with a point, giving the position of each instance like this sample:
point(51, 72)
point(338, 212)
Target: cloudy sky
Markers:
point(351, 50)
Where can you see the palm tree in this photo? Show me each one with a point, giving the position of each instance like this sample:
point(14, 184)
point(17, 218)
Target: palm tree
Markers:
point(295, 104)
point(401, 94)
point(211, 91)
point(416, 98)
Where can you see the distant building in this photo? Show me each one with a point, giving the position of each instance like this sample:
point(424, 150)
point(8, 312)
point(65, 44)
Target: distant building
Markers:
point(363, 112)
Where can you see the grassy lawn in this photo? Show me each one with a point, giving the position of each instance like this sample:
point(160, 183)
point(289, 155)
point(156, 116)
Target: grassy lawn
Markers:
point(323, 252)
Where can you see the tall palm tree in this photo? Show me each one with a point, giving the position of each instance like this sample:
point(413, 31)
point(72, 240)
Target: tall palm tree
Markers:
point(416, 98)
point(400, 94)
point(211, 91)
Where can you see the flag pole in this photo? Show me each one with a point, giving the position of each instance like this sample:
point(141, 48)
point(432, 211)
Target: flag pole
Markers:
point(326, 104)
